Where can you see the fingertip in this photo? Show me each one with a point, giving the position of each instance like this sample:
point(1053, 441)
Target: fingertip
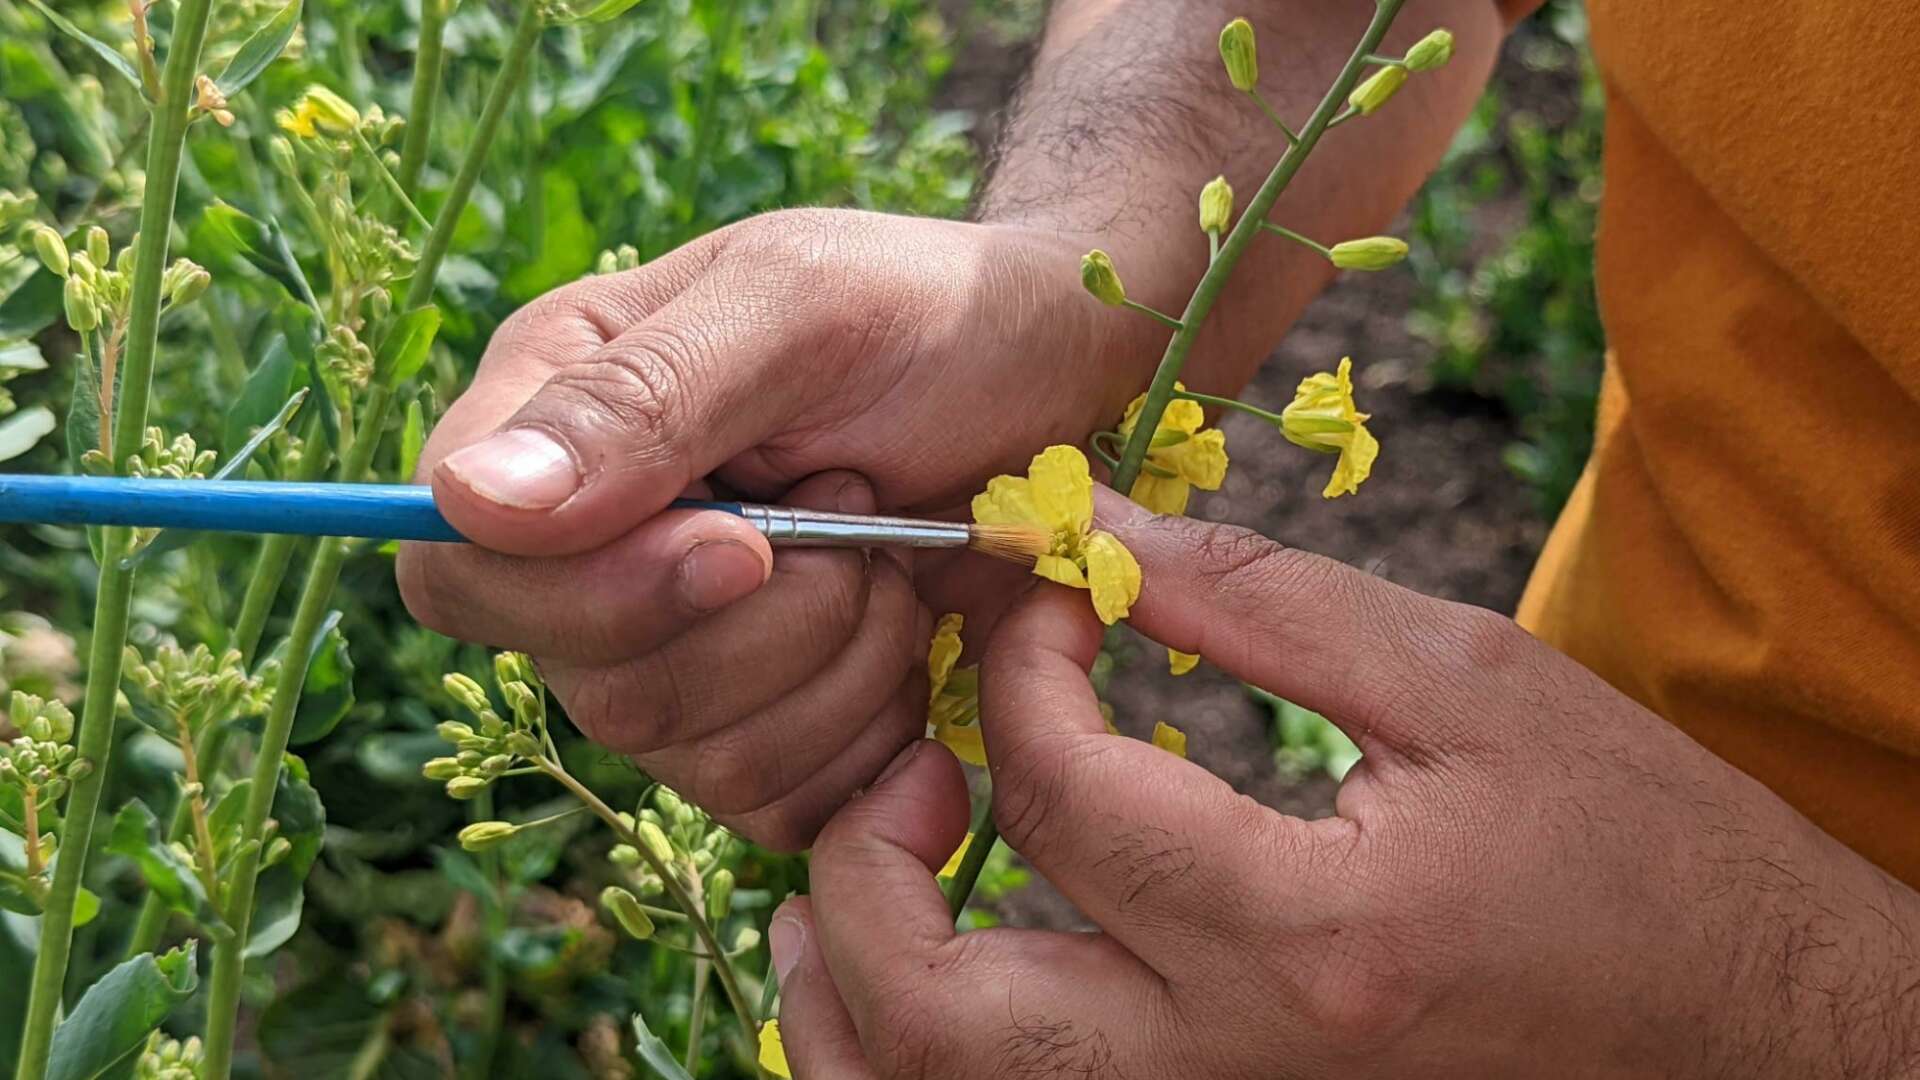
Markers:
point(1049, 618)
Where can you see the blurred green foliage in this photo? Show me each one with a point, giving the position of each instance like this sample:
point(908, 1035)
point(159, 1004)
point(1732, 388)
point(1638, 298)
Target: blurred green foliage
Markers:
point(1518, 322)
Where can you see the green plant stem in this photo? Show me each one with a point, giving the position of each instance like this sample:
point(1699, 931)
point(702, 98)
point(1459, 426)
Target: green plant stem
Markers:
point(427, 60)
point(394, 187)
point(480, 1064)
point(166, 139)
point(696, 914)
point(687, 181)
point(1205, 295)
point(1231, 403)
point(1160, 317)
point(1292, 138)
point(1282, 230)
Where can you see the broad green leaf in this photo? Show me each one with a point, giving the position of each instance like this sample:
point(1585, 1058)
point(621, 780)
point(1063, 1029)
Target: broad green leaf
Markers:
point(173, 539)
point(654, 1052)
point(23, 430)
point(268, 385)
point(259, 50)
point(32, 306)
point(278, 902)
point(328, 693)
point(136, 835)
point(413, 437)
point(83, 415)
point(86, 905)
point(113, 1018)
point(100, 48)
point(301, 814)
point(404, 352)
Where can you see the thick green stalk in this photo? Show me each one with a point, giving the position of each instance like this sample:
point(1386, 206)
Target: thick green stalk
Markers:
point(1212, 284)
point(165, 141)
point(985, 834)
point(223, 996)
point(427, 59)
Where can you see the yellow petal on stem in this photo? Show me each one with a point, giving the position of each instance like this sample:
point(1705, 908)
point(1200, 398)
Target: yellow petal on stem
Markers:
point(1170, 738)
point(1062, 489)
point(1202, 460)
point(1062, 570)
point(1162, 494)
point(1182, 662)
point(773, 1053)
point(944, 652)
point(1008, 500)
point(959, 853)
point(1113, 575)
point(964, 740)
point(1355, 464)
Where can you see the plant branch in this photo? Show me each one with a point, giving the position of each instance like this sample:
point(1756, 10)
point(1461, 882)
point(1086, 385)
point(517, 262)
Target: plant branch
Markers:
point(165, 141)
point(392, 183)
point(986, 832)
point(427, 60)
point(1231, 403)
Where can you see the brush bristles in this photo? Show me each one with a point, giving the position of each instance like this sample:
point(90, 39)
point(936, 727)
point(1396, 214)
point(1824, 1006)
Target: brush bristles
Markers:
point(1014, 543)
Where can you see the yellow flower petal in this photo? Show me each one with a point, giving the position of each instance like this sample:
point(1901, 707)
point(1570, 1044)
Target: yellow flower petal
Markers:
point(1182, 662)
point(1062, 489)
point(944, 652)
point(1113, 575)
point(1354, 466)
point(1170, 738)
point(773, 1053)
point(959, 853)
point(1201, 460)
point(1060, 569)
point(1162, 494)
point(963, 740)
point(1008, 500)
point(1106, 713)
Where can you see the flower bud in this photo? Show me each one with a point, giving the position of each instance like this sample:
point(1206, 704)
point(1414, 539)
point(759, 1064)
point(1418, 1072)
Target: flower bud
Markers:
point(469, 759)
point(99, 247)
point(454, 731)
point(83, 308)
point(719, 895)
point(276, 851)
point(1238, 51)
point(280, 152)
point(1377, 90)
point(509, 667)
point(441, 769)
point(482, 835)
point(329, 111)
point(1100, 278)
point(523, 744)
point(656, 841)
point(1372, 253)
point(624, 856)
point(497, 764)
point(465, 691)
point(522, 700)
point(1216, 205)
point(466, 787)
point(745, 940)
point(51, 248)
point(1430, 52)
point(191, 286)
point(626, 910)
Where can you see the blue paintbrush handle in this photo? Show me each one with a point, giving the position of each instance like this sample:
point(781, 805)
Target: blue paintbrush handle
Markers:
point(372, 511)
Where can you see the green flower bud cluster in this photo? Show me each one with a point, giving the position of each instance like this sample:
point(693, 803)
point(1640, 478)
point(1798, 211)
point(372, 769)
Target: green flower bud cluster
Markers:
point(41, 758)
point(180, 459)
point(1429, 53)
point(678, 835)
point(97, 282)
point(168, 1059)
point(372, 253)
point(484, 753)
point(614, 260)
point(345, 360)
point(16, 207)
point(195, 685)
point(17, 149)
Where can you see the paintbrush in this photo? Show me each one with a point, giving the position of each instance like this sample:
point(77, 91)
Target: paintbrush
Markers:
point(407, 512)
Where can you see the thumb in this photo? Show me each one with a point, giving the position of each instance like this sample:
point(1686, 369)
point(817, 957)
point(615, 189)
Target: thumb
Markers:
point(608, 440)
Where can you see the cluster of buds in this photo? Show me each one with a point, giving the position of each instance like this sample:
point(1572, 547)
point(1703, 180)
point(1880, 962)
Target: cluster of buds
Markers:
point(166, 1058)
point(97, 282)
point(485, 753)
point(177, 459)
point(193, 686)
point(1429, 53)
point(683, 839)
point(614, 260)
point(16, 207)
point(371, 252)
point(345, 360)
point(322, 113)
point(41, 758)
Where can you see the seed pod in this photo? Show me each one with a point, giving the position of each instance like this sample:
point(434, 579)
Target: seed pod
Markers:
point(1377, 90)
point(1430, 52)
point(482, 835)
point(51, 248)
point(82, 306)
point(1216, 205)
point(1238, 50)
point(626, 910)
point(1101, 279)
point(441, 769)
point(1372, 253)
point(719, 895)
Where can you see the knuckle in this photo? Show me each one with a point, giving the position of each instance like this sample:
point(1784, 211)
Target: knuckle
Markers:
point(737, 771)
point(781, 827)
point(1030, 788)
point(637, 382)
point(602, 704)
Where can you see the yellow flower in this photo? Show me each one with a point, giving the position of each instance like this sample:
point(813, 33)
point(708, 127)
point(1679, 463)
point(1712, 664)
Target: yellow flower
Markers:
point(1323, 418)
point(1193, 457)
point(1057, 495)
point(953, 862)
point(1170, 738)
point(953, 701)
point(773, 1053)
point(1182, 662)
point(319, 110)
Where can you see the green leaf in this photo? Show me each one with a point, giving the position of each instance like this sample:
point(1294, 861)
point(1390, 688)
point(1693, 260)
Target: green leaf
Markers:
point(404, 352)
point(301, 814)
point(114, 1017)
point(83, 415)
point(278, 902)
point(654, 1052)
point(303, 330)
point(325, 1030)
point(100, 48)
point(17, 949)
point(20, 432)
point(259, 50)
point(86, 906)
point(328, 693)
point(14, 896)
point(172, 539)
point(224, 237)
point(136, 835)
point(267, 385)
point(32, 306)
point(413, 437)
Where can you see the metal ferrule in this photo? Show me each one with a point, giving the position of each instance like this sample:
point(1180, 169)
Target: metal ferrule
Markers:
point(794, 527)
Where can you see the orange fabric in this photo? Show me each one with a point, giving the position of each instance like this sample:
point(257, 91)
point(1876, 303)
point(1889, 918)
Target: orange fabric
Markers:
point(1743, 552)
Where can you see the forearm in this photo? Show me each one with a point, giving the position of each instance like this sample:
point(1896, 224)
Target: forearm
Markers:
point(1127, 113)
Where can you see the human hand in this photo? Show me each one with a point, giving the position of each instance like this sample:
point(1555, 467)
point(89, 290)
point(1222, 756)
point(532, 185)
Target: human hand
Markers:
point(839, 360)
point(1528, 874)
